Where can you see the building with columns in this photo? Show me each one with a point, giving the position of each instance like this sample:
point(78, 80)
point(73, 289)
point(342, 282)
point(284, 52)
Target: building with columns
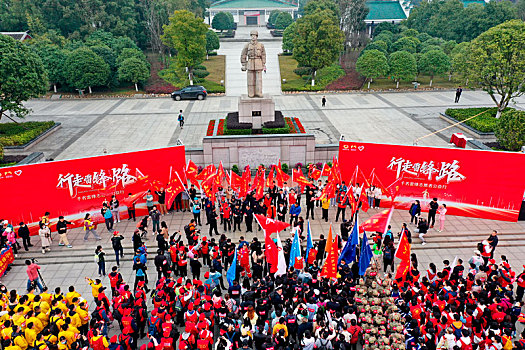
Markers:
point(252, 12)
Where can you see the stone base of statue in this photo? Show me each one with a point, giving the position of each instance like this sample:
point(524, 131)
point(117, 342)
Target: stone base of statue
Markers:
point(256, 110)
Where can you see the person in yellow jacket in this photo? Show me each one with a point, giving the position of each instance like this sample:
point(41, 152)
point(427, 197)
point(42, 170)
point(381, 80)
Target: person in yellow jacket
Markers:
point(40, 343)
point(46, 296)
point(95, 286)
point(19, 339)
point(30, 333)
point(62, 344)
point(74, 316)
point(37, 324)
point(98, 341)
point(11, 345)
point(68, 334)
point(19, 318)
point(44, 305)
point(41, 316)
point(49, 337)
point(7, 330)
point(72, 294)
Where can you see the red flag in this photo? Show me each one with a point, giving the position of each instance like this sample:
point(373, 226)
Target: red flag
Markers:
point(393, 188)
point(221, 174)
point(310, 169)
point(270, 225)
point(330, 265)
point(245, 182)
point(403, 269)
point(281, 176)
point(269, 179)
point(364, 200)
point(133, 198)
point(175, 187)
point(191, 173)
point(329, 240)
point(327, 192)
point(378, 222)
point(209, 186)
point(258, 184)
point(335, 173)
point(235, 181)
point(316, 174)
point(271, 252)
point(326, 170)
point(206, 172)
point(403, 247)
point(297, 176)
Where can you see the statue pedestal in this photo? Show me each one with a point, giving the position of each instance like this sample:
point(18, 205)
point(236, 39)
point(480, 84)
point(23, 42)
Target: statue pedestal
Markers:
point(256, 110)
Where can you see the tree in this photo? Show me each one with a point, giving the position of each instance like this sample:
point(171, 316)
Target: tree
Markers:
point(54, 60)
point(22, 76)
point(221, 21)
point(273, 17)
point(378, 45)
point(133, 69)
point(283, 20)
point(130, 53)
point(212, 42)
point(314, 5)
point(520, 8)
point(353, 14)
point(372, 64)
point(186, 34)
point(459, 58)
point(386, 26)
point(288, 37)
point(434, 62)
point(510, 131)
point(84, 69)
point(402, 66)
point(318, 42)
point(406, 43)
point(497, 62)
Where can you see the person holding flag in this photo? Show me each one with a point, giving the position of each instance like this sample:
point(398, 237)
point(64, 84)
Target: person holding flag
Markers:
point(309, 242)
point(366, 255)
point(348, 255)
point(295, 252)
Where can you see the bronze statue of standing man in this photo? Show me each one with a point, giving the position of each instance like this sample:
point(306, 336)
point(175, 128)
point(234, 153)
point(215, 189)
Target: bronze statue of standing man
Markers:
point(253, 59)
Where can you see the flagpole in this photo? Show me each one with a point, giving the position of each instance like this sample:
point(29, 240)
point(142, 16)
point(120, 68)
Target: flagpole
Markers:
point(184, 186)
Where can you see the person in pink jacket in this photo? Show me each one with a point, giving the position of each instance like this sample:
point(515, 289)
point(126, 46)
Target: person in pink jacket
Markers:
point(33, 277)
point(442, 212)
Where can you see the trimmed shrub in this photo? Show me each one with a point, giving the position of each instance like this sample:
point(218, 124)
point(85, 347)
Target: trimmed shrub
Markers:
point(510, 130)
point(486, 122)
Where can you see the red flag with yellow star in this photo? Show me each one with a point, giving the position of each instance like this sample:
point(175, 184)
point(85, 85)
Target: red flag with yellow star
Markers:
point(330, 265)
point(175, 187)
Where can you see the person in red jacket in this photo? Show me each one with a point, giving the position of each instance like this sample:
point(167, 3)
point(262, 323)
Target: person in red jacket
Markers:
point(355, 331)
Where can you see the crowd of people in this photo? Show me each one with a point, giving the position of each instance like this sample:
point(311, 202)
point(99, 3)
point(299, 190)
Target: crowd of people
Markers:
point(464, 306)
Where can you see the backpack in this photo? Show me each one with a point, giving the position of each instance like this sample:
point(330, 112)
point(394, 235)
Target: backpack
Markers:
point(323, 346)
point(387, 254)
point(95, 258)
point(153, 329)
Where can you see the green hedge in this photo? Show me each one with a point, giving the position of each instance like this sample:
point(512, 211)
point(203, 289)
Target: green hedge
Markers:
point(17, 134)
point(236, 131)
point(212, 87)
point(486, 122)
point(270, 131)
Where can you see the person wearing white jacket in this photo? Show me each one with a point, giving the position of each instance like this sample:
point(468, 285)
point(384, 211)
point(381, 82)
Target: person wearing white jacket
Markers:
point(45, 238)
point(447, 341)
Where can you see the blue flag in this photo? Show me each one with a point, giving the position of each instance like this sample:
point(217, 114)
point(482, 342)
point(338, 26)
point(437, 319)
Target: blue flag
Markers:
point(309, 243)
point(296, 249)
point(366, 255)
point(232, 271)
point(348, 253)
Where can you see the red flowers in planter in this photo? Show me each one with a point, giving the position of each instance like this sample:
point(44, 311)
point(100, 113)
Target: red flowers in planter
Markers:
point(220, 127)
point(290, 124)
point(211, 126)
point(300, 126)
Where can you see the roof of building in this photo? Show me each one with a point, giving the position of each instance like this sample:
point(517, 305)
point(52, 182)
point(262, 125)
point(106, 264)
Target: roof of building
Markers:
point(470, 2)
point(251, 4)
point(385, 10)
point(21, 36)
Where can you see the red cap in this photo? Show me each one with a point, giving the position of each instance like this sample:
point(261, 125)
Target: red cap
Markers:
point(207, 274)
point(492, 261)
point(207, 306)
point(167, 317)
point(190, 306)
point(202, 317)
point(204, 238)
point(141, 283)
point(114, 339)
point(154, 312)
point(179, 280)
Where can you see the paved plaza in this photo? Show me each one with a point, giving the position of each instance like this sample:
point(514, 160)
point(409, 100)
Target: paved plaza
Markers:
point(92, 127)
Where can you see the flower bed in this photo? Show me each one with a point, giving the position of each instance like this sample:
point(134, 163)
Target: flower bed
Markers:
point(299, 126)
point(290, 124)
point(211, 126)
point(220, 128)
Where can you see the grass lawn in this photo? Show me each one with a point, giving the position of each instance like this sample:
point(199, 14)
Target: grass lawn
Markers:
point(294, 82)
point(216, 65)
point(17, 134)
point(423, 80)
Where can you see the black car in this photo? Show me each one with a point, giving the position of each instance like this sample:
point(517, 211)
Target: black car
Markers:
point(190, 92)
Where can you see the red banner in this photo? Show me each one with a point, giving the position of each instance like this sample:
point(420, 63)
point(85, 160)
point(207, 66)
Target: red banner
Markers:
point(75, 187)
point(6, 259)
point(485, 184)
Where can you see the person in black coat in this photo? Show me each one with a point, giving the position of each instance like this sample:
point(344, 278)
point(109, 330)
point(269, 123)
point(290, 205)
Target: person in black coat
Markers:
point(23, 232)
point(320, 249)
